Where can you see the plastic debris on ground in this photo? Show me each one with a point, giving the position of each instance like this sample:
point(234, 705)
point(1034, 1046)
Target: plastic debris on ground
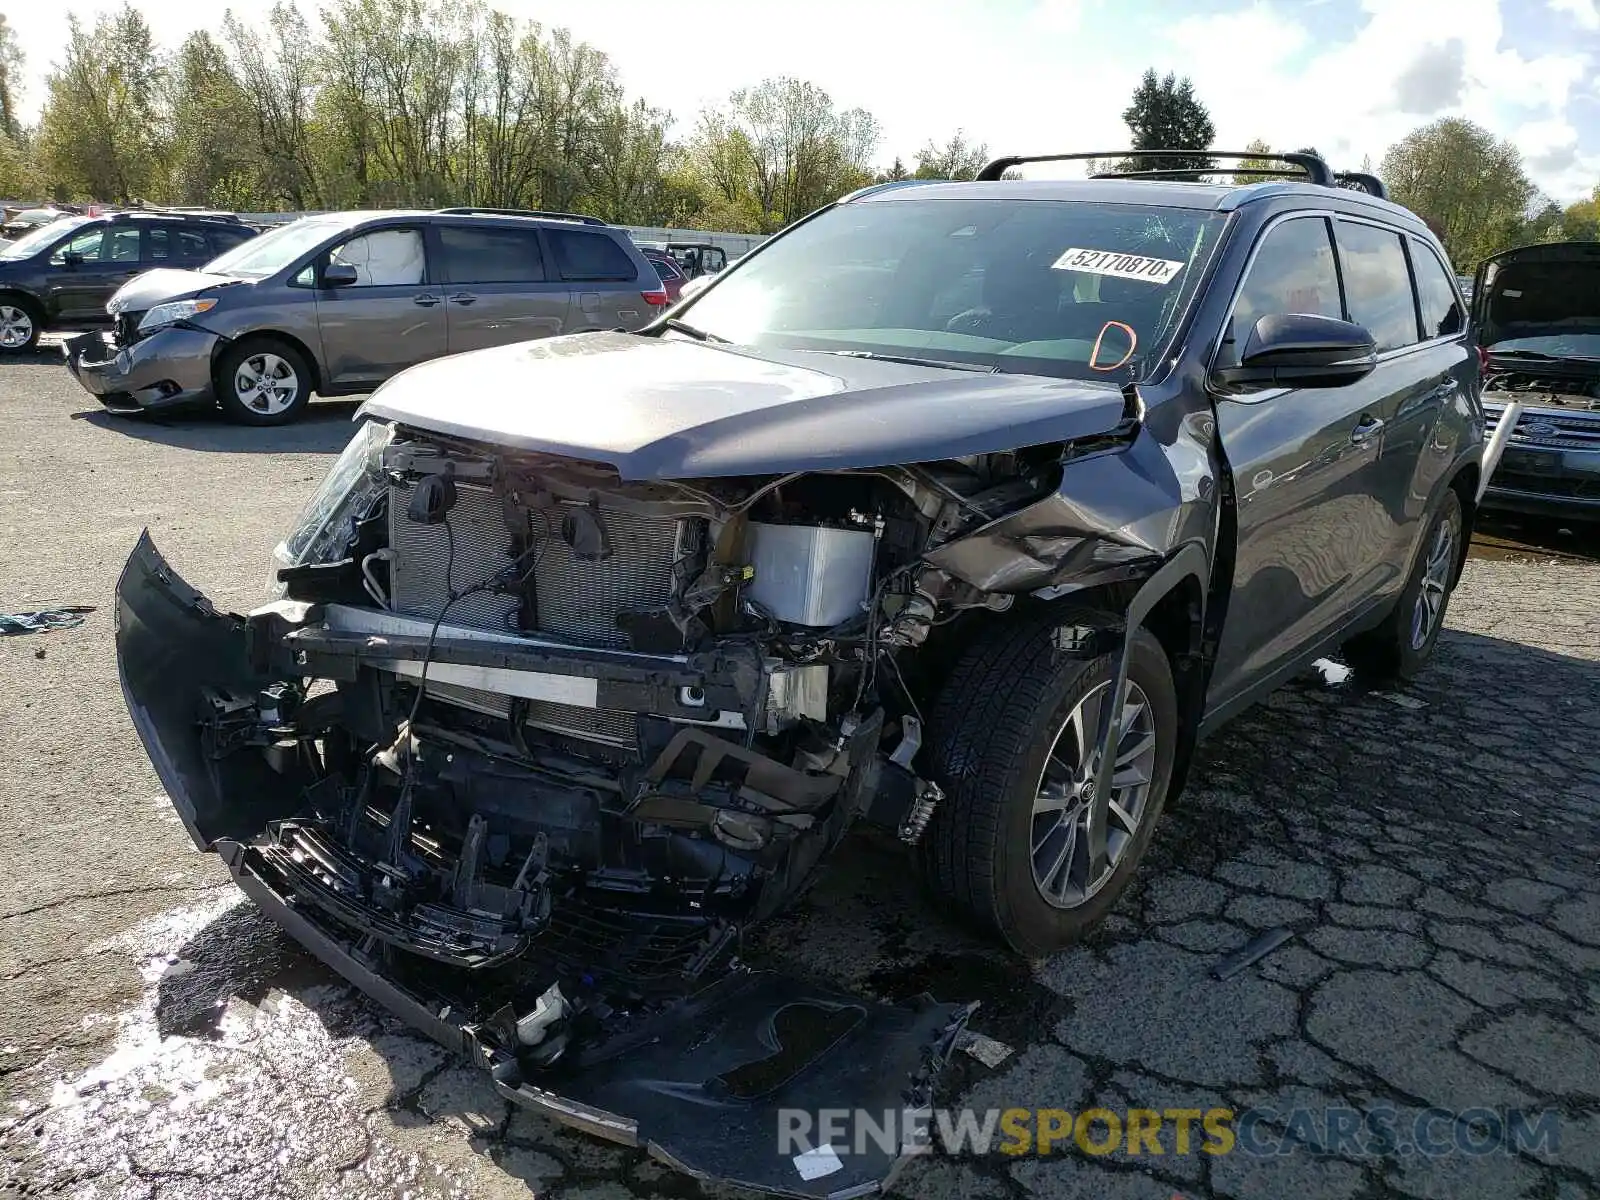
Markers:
point(43, 620)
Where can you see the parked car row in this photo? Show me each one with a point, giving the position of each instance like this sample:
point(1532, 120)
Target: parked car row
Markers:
point(338, 303)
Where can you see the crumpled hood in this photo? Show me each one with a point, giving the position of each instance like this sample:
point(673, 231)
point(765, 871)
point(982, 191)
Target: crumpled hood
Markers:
point(145, 291)
point(1537, 291)
point(676, 408)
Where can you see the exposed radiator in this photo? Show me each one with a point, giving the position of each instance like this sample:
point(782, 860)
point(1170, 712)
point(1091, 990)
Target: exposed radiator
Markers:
point(578, 601)
point(482, 548)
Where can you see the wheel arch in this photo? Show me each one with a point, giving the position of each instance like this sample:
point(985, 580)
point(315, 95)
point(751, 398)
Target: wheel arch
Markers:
point(265, 335)
point(23, 298)
point(1465, 483)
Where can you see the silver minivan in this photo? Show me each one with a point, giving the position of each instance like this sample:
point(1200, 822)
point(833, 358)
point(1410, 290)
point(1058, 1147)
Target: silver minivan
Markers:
point(336, 304)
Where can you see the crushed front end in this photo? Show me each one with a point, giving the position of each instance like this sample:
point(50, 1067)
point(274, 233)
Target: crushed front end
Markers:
point(1551, 463)
point(522, 750)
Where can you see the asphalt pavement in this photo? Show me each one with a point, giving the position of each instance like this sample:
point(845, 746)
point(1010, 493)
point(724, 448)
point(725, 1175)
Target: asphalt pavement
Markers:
point(1431, 850)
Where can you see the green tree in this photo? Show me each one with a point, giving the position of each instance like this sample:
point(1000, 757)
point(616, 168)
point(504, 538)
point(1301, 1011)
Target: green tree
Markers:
point(276, 73)
point(956, 159)
point(1165, 114)
point(1258, 170)
point(99, 133)
point(1468, 184)
point(895, 173)
point(11, 64)
point(211, 152)
point(1580, 222)
point(783, 148)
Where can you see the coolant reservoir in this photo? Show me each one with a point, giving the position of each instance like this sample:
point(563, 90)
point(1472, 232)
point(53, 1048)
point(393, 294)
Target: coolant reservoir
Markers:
point(809, 574)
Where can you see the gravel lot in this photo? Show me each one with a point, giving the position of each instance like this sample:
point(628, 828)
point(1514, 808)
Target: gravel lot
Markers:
point(1434, 853)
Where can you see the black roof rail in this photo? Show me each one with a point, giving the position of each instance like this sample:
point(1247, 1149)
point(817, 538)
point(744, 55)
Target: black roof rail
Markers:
point(1316, 170)
point(471, 210)
point(1362, 181)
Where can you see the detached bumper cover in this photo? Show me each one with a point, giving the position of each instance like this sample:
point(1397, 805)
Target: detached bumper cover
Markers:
point(701, 1083)
point(170, 367)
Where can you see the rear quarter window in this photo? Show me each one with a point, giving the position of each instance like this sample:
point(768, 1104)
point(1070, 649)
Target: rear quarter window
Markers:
point(1436, 294)
point(591, 257)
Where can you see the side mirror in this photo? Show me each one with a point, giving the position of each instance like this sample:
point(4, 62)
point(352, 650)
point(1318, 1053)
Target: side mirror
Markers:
point(1302, 350)
point(72, 258)
point(338, 275)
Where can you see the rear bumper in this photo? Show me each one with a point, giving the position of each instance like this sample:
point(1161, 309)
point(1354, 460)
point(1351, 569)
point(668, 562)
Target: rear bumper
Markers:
point(171, 367)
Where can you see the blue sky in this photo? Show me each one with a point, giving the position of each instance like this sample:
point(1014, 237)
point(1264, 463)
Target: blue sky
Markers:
point(1347, 76)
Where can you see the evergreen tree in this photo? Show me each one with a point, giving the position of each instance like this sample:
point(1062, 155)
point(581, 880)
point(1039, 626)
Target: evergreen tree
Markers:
point(1165, 115)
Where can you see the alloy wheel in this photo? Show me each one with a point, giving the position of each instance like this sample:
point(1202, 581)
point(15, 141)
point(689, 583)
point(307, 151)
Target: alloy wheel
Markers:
point(16, 327)
point(266, 383)
point(1064, 804)
point(1436, 568)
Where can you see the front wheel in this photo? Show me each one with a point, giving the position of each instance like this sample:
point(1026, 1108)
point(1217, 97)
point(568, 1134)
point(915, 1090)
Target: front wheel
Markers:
point(261, 382)
point(1019, 842)
point(19, 326)
point(1400, 647)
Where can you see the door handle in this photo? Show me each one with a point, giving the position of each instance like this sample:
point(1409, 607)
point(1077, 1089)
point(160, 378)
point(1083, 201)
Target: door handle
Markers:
point(426, 300)
point(1366, 429)
point(462, 298)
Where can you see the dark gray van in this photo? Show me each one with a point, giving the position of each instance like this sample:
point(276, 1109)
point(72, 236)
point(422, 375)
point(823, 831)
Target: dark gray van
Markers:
point(337, 304)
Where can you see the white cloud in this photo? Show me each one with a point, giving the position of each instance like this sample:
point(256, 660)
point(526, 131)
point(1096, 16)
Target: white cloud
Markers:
point(1434, 57)
point(1585, 12)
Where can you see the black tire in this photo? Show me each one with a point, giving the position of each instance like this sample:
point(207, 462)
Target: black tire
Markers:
point(991, 732)
point(282, 405)
point(1394, 651)
point(15, 311)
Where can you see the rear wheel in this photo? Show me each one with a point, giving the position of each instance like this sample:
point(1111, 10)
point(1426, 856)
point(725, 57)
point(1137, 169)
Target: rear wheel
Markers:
point(20, 324)
point(1400, 647)
point(263, 382)
point(1014, 844)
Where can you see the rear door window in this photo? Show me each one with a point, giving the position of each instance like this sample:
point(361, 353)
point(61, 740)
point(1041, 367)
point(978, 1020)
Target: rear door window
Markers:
point(1436, 293)
point(1293, 272)
point(1377, 284)
point(594, 257)
point(491, 255)
point(168, 245)
point(384, 258)
point(121, 245)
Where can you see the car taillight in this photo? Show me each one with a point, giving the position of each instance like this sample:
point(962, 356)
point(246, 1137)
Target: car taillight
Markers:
point(656, 298)
point(1483, 359)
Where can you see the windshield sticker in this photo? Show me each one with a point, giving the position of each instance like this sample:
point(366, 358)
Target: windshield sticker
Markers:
point(1123, 266)
point(1094, 354)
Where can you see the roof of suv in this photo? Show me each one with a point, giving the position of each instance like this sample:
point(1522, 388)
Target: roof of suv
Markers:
point(146, 214)
point(1162, 193)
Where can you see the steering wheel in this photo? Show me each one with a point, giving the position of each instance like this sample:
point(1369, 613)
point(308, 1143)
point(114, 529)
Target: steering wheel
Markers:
point(970, 321)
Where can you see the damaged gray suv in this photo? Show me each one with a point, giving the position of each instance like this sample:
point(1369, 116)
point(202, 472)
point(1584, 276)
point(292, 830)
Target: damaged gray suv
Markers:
point(962, 509)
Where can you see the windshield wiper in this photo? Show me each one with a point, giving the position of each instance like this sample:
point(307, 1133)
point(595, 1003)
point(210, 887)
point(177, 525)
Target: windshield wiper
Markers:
point(941, 363)
point(688, 330)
